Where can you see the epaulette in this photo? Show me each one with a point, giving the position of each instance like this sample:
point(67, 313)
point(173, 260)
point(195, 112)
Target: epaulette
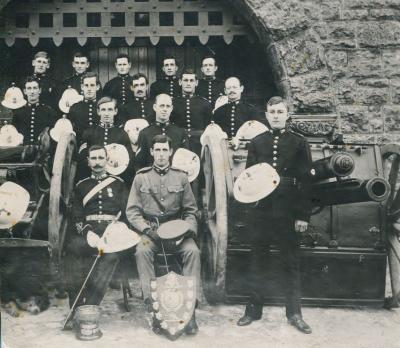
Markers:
point(117, 177)
point(81, 181)
point(295, 133)
point(144, 170)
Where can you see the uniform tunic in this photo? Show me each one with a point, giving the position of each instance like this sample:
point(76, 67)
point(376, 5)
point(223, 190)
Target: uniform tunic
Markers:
point(119, 89)
point(94, 216)
point(168, 85)
point(177, 135)
point(172, 190)
point(32, 119)
point(75, 82)
point(83, 115)
point(138, 108)
point(272, 220)
point(50, 88)
point(232, 115)
point(211, 89)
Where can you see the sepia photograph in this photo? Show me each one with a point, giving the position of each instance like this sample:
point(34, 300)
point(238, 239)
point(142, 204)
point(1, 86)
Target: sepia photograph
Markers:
point(199, 173)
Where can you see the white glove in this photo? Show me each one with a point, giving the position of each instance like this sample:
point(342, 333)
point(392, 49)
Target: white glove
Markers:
point(92, 239)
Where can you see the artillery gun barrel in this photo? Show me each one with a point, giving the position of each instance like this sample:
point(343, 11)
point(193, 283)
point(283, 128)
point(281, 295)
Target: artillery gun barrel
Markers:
point(349, 191)
point(340, 164)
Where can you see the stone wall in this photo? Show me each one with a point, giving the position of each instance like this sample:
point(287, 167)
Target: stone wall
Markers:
point(337, 57)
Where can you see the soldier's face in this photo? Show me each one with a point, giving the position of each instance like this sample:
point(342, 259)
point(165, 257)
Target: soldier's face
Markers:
point(40, 65)
point(208, 67)
point(233, 89)
point(89, 88)
point(80, 64)
point(107, 112)
point(32, 91)
point(169, 67)
point(163, 108)
point(161, 154)
point(277, 115)
point(188, 83)
point(123, 66)
point(97, 160)
point(139, 87)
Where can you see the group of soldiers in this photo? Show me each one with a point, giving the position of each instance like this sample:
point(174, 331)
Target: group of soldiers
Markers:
point(151, 128)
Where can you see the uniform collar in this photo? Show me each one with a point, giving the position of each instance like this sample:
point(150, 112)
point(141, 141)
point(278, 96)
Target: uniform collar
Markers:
point(161, 171)
point(234, 102)
point(106, 126)
point(39, 76)
point(98, 176)
point(165, 124)
point(169, 78)
point(34, 105)
point(93, 101)
point(140, 99)
point(123, 76)
point(277, 131)
point(187, 95)
point(213, 78)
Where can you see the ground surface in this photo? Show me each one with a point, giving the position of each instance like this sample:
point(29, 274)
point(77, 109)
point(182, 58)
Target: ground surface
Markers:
point(355, 328)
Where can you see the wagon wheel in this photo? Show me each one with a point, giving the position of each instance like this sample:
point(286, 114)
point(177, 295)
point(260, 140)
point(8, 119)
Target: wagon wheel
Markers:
point(62, 180)
point(391, 165)
point(215, 241)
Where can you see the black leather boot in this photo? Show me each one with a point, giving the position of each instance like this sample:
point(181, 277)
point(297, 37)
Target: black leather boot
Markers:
point(192, 328)
point(297, 321)
point(252, 312)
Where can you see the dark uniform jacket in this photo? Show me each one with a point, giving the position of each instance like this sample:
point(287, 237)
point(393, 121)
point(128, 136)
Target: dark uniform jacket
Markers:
point(74, 81)
point(168, 85)
point(119, 89)
point(177, 135)
point(138, 108)
point(31, 120)
point(108, 201)
point(83, 115)
point(211, 89)
point(172, 190)
point(191, 112)
point(289, 153)
point(51, 90)
point(232, 115)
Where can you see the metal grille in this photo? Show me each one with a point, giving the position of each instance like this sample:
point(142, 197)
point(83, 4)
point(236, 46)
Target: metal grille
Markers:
point(128, 19)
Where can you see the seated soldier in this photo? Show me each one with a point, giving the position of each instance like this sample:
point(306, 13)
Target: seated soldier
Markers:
point(98, 200)
point(163, 108)
point(105, 133)
point(31, 119)
point(159, 194)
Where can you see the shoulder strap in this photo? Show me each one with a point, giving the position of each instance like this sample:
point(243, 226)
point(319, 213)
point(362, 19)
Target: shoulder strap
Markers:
point(97, 188)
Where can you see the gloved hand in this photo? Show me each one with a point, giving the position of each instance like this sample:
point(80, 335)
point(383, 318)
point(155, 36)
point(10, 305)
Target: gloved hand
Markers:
point(152, 233)
point(92, 239)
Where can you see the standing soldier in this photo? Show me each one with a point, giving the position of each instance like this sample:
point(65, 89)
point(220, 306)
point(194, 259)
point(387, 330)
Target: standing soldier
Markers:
point(118, 87)
point(160, 194)
point(80, 63)
point(191, 111)
point(98, 200)
point(31, 119)
point(210, 87)
point(140, 106)
point(278, 217)
point(163, 108)
point(49, 86)
point(236, 112)
point(170, 83)
point(83, 114)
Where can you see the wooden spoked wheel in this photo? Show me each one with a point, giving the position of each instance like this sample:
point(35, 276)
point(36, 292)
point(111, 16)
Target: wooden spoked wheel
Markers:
point(214, 247)
point(61, 187)
point(391, 165)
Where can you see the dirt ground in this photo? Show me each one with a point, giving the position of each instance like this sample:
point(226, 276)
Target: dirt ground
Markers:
point(355, 328)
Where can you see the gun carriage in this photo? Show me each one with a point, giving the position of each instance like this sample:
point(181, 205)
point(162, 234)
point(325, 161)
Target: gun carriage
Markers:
point(344, 252)
point(49, 181)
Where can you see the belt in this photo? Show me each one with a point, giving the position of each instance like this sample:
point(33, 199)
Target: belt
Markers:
point(102, 217)
point(163, 218)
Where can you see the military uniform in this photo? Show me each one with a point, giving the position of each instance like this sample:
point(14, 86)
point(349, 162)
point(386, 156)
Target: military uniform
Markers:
point(75, 82)
point(193, 113)
point(163, 195)
point(168, 85)
point(103, 135)
point(211, 89)
point(138, 108)
point(119, 89)
point(233, 114)
point(93, 214)
point(83, 115)
point(272, 221)
point(178, 137)
point(32, 119)
point(50, 90)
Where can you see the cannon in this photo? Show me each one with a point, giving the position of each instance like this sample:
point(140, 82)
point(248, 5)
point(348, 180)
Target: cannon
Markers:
point(349, 227)
point(49, 181)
